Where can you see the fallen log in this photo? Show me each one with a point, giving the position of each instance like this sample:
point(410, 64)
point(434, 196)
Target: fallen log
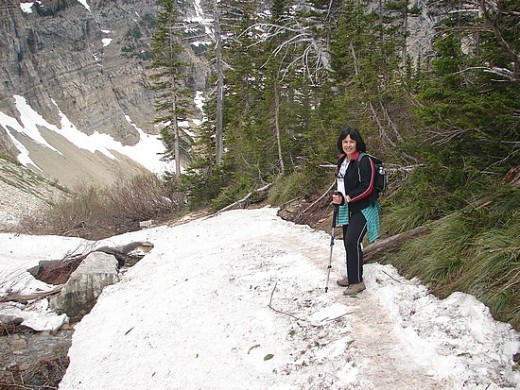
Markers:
point(392, 243)
point(26, 298)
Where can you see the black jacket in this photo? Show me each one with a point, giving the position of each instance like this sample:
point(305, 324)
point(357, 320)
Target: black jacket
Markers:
point(359, 181)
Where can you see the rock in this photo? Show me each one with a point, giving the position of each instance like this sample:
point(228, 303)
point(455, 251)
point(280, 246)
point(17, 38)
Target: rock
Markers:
point(55, 271)
point(10, 315)
point(146, 224)
point(85, 284)
point(35, 316)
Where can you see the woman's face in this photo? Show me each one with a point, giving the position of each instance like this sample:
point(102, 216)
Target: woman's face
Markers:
point(349, 145)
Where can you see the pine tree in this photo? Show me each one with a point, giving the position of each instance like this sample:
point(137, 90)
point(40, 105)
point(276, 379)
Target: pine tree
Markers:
point(168, 79)
point(245, 124)
point(366, 66)
point(471, 101)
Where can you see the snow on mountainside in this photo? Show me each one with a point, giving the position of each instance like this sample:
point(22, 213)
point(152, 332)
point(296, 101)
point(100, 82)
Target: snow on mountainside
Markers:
point(75, 106)
point(146, 152)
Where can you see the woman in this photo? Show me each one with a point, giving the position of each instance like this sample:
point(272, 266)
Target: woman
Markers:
point(357, 211)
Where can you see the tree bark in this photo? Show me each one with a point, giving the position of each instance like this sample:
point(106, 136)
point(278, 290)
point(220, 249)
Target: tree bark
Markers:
point(277, 126)
point(219, 115)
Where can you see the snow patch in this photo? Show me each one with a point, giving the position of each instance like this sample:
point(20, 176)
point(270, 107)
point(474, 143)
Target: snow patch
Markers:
point(27, 7)
point(147, 151)
point(85, 4)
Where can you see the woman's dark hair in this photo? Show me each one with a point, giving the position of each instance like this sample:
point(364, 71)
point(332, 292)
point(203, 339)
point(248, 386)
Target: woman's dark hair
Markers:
point(354, 134)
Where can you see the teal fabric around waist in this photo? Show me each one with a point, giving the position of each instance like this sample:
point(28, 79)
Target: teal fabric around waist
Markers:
point(371, 213)
point(342, 215)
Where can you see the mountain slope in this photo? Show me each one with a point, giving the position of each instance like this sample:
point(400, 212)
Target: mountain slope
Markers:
point(23, 193)
point(80, 68)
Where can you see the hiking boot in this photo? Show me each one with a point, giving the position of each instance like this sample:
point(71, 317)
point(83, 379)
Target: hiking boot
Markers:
point(343, 282)
point(354, 288)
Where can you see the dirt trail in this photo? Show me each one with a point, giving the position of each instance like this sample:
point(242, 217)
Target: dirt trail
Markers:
point(384, 362)
point(374, 357)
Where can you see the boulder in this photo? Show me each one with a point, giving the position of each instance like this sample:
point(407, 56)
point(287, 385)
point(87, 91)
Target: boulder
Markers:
point(80, 293)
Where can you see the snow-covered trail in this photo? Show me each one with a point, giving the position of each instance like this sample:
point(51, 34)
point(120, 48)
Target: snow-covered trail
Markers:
point(373, 357)
point(237, 301)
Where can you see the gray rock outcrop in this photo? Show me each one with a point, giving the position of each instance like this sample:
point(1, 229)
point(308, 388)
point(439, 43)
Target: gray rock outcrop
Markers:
point(85, 284)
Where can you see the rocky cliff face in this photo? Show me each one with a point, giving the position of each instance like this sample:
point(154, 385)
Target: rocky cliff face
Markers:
point(74, 74)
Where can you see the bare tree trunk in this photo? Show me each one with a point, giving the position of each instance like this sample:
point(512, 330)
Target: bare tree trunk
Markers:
point(404, 52)
point(175, 125)
point(277, 126)
point(176, 143)
point(390, 122)
point(219, 132)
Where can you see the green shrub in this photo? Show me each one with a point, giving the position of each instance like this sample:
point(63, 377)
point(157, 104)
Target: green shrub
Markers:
point(231, 194)
point(201, 185)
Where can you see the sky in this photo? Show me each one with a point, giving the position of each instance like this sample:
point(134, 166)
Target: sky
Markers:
point(238, 300)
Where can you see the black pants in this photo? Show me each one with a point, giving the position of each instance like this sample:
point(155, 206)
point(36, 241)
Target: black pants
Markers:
point(353, 234)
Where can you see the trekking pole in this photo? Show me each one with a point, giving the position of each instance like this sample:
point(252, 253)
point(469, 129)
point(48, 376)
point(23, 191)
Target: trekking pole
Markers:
point(331, 245)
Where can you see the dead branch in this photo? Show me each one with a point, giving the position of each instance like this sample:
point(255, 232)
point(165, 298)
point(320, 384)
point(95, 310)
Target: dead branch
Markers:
point(391, 277)
point(393, 126)
point(270, 306)
point(20, 298)
point(503, 72)
point(314, 57)
point(240, 203)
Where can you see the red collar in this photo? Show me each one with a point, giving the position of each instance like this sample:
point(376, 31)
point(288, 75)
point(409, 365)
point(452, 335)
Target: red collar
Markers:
point(354, 157)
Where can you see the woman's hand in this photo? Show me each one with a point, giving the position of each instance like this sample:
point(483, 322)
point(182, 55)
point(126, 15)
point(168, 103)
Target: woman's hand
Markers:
point(337, 198)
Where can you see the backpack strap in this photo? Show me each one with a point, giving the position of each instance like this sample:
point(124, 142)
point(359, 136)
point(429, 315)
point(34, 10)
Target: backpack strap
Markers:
point(361, 155)
point(373, 175)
